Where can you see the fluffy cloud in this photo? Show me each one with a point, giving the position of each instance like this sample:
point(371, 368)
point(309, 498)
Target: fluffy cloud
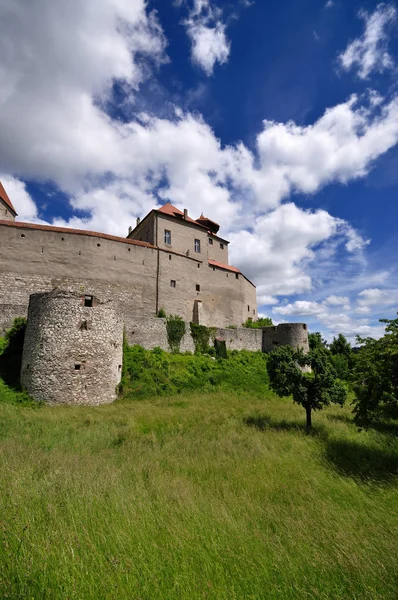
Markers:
point(369, 52)
point(57, 74)
point(207, 33)
point(337, 300)
point(22, 201)
point(332, 318)
point(57, 71)
point(377, 297)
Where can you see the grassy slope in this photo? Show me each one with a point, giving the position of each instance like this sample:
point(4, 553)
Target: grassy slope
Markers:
point(200, 495)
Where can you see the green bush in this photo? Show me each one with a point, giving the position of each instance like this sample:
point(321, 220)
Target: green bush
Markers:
point(154, 372)
point(261, 322)
point(175, 326)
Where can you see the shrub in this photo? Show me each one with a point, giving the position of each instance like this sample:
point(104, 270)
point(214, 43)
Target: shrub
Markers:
point(161, 313)
point(261, 322)
point(175, 332)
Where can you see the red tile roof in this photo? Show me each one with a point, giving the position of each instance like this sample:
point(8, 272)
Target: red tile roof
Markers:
point(104, 236)
point(220, 265)
point(5, 198)
point(172, 211)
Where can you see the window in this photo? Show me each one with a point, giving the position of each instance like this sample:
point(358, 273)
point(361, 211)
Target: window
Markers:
point(248, 308)
point(210, 241)
point(236, 275)
point(198, 265)
point(197, 287)
point(221, 246)
point(172, 283)
point(77, 367)
point(88, 300)
point(197, 245)
point(169, 256)
point(167, 236)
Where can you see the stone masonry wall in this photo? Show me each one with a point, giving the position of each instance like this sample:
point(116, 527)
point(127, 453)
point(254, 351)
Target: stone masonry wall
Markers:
point(73, 352)
point(152, 332)
point(286, 334)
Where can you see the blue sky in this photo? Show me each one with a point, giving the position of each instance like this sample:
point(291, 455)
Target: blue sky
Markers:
point(278, 120)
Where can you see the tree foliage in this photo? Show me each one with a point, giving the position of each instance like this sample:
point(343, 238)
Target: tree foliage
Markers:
point(175, 327)
point(261, 322)
point(315, 340)
point(310, 378)
point(375, 377)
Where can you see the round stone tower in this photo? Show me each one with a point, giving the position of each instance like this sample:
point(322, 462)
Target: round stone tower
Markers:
point(73, 349)
point(286, 334)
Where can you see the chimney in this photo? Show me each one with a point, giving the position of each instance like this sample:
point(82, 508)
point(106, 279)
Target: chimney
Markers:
point(130, 229)
point(138, 221)
point(185, 214)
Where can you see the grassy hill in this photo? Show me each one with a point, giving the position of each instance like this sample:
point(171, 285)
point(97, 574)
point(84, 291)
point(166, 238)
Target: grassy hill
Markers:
point(212, 494)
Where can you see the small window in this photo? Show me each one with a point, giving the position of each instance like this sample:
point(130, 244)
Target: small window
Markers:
point(248, 308)
point(169, 256)
point(198, 265)
point(84, 326)
point(22, 235)
point(172, 283)
point(236, 275)
point(77, 366)
point(167, 236)
point(119, 368)
point(197, 245)
point(88, 301)
point(221, 246)
point(197, 287)
point(210, 241)
point(254, 312)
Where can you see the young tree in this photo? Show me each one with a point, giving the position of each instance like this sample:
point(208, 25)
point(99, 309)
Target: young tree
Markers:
point(313, 388)
point(375, 377)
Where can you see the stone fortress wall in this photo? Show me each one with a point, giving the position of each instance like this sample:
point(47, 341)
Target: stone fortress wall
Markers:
point(37, 258)
point(73, 349)
point(286, 334)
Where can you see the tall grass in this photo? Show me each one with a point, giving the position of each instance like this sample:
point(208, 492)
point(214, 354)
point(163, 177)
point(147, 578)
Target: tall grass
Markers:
point(215, 495)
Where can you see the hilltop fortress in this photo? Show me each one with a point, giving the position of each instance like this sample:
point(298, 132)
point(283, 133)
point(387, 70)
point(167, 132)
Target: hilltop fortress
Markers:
point(83, 287)
point(168, 261)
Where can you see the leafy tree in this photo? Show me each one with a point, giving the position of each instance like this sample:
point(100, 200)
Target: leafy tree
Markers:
point(315, 340)
point(310, 378)
point(342, 356)
point(261, 322)
point(375, 377)
point(340, 345)
point(11, 352)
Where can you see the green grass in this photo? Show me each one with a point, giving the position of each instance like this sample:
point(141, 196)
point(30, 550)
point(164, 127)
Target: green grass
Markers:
point(217, 495)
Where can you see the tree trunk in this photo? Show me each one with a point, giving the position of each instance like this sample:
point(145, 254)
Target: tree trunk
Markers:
point(308, 413)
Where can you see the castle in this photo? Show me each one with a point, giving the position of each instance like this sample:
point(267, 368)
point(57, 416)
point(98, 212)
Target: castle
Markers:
point(83, 287)
point(168, 261)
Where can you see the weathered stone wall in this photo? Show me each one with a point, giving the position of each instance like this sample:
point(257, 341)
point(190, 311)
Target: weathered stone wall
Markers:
point(183, 235)
point(226, 299)
point(5, 213)
point(286, 334)
point(152, 333)
point(242, 338)
point(72, 353)
point(138, 277)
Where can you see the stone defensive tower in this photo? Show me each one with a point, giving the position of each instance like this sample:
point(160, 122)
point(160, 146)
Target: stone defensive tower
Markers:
point(73, 349)
point(286, 334)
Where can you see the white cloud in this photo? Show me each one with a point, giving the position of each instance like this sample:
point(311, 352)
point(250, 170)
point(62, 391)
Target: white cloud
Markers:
point(56, 71)
point(21, 199)
point(377, 297)
point(54, 126)
point(207, 34)
point(337, 300)
point(369, 52)
point(300, 307)
point(329, 4)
